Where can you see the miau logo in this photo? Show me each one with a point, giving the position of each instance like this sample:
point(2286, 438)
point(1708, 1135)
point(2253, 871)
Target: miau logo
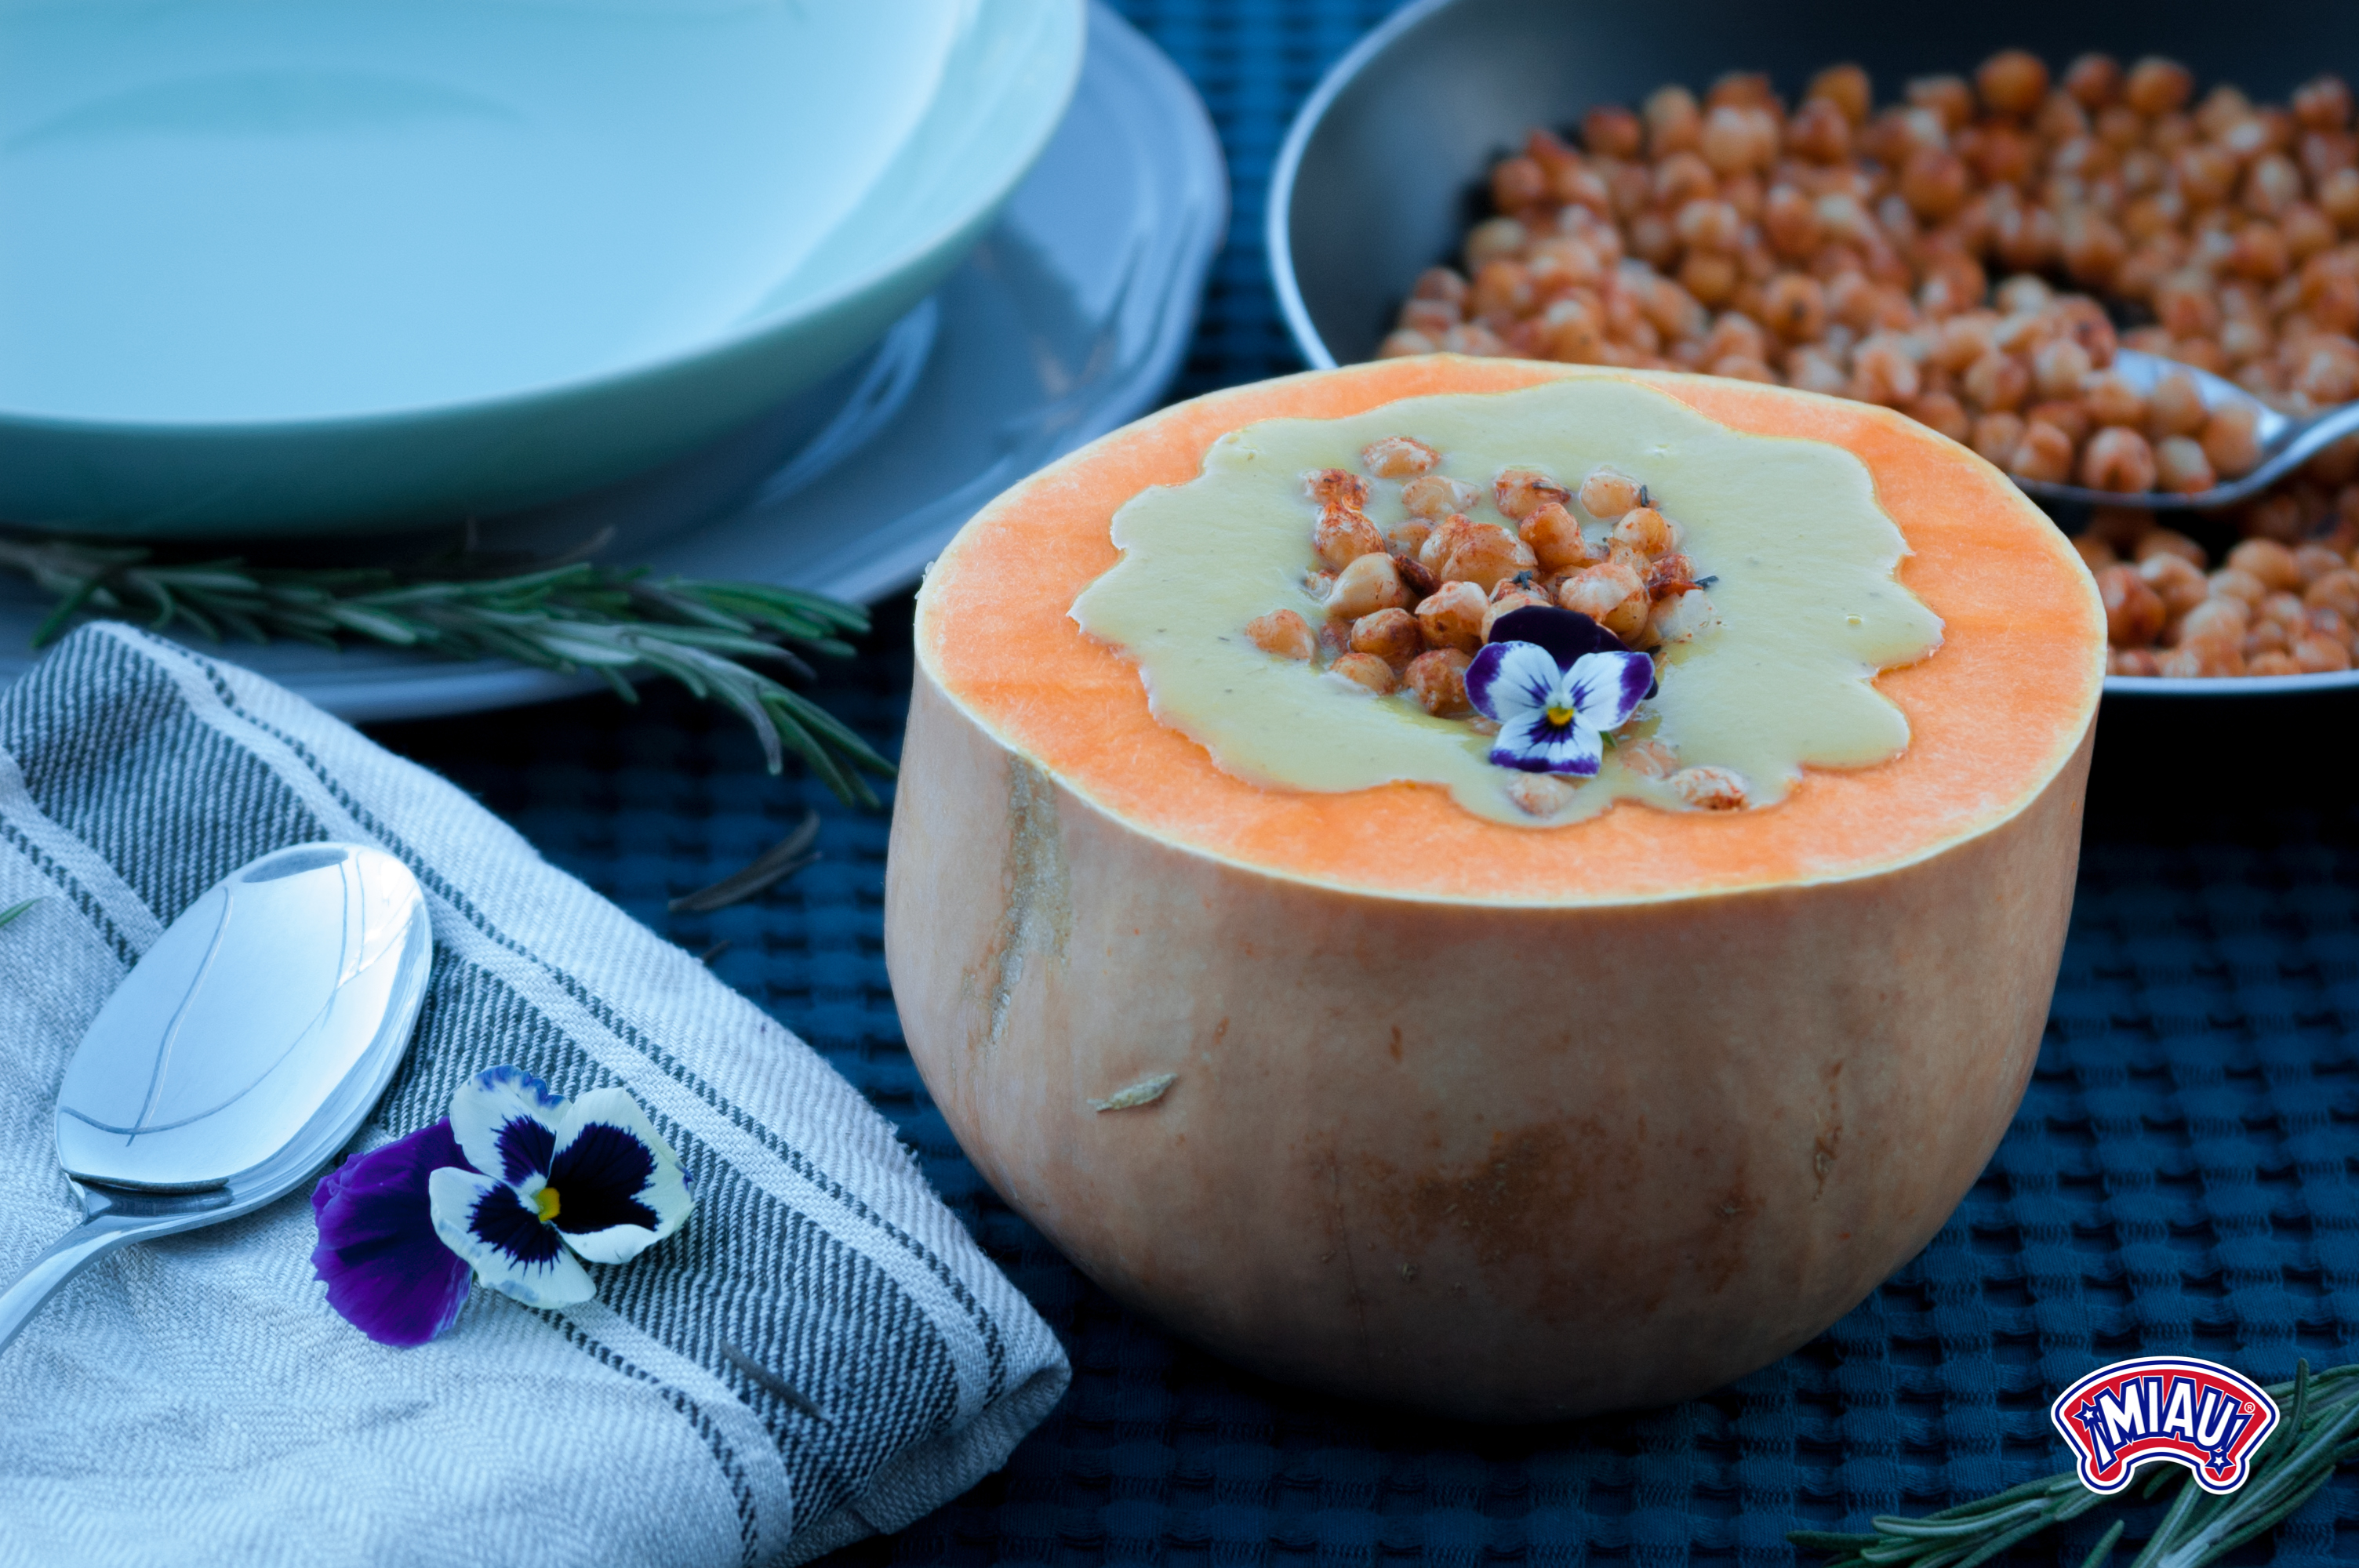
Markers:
point(2174, 1407)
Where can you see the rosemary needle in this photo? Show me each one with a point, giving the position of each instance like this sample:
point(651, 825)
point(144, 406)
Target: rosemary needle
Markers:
point(572, 617)
point(775, 864)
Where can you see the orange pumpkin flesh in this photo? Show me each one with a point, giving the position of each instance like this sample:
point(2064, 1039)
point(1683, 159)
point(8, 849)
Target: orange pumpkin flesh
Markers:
point(1502, 1122)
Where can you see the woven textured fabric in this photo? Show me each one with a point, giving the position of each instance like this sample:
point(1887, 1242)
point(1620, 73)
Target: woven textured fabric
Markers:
point(2180, 1178)
point(821, 1352)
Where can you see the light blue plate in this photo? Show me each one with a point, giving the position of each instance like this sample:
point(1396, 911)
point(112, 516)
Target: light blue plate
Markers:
point(307, 266)
point(1067, 321)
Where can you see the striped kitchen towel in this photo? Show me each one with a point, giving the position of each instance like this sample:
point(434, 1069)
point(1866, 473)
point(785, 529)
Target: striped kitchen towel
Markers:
point(821, 1353)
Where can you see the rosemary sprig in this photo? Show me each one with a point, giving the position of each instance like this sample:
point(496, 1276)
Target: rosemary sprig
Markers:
point(2318, 1432)
point(14, 910)
point(571, 617)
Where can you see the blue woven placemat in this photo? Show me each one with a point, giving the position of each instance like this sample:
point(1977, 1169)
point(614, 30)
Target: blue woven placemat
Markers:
point(2181, 1177)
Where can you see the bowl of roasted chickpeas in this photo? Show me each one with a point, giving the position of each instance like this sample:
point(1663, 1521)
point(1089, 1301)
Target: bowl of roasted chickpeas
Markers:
point(1962, 214)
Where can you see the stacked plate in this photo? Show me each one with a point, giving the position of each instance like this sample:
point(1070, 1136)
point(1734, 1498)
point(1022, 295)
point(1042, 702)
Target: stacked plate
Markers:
point(775, 292)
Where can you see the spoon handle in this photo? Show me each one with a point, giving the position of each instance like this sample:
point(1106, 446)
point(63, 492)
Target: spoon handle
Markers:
point(86, 1243)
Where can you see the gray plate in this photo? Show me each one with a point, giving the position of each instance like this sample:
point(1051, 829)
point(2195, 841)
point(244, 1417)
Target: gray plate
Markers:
point(1383, 169)
point(1068, 320)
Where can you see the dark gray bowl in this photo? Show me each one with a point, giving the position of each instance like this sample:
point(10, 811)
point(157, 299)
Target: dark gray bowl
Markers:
point(1385, 167)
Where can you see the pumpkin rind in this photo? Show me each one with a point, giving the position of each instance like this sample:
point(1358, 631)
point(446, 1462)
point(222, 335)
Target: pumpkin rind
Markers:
point(1501, 1124)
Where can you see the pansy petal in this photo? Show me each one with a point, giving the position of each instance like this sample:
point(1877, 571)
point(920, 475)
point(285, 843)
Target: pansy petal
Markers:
point(1564, 634)
point(386, 1271)
point(1518, 743)
point(1572, 747)
point(1606, 687)
point(506, 1121)
point(1576, 749)
point(620, 1187)
point(1536, 746)
point(1510, 679)
point(482, 1220)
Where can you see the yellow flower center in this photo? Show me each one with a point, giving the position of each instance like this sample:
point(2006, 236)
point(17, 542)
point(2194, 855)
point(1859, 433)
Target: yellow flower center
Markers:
point(1560, 717)
point(546, 1202)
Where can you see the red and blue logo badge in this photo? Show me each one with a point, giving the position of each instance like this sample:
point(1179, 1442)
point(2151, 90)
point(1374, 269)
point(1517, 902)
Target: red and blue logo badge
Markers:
point(2174, 1407)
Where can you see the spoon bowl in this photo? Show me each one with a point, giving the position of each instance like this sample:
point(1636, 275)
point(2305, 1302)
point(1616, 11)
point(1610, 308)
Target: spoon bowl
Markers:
point(2286, 442)
point(243, 1050)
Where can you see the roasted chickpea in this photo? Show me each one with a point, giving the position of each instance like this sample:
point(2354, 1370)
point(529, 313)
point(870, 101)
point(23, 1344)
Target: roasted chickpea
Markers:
point(1370, 583)
point(2180, 467)
point(1283, 633)
point(1393, 635)
point(1647, 531)
point(2118, 460)
point(1995, 384)
point(1674, 121)
point(2209, 657)
point(1520, 491)
point(2176, 581)
point(2156, 86)
point(1365, 671)
point(2268, 561)
point(2177, 408)
point(1399, 456)
point(1541, 795)
point(2229, 582)
point(1614, 132)
point(1995, 436)
point(1451, 617)
point(1846, 87)
point(1435, 496)
point(1709, 788)
point(2012, 82)
point(2133, 611)
point(2044, 453)
point(2093, 80)
point(1554, 537)
point(1483, 555)
point(1409, 536)
point(2112, 400)
point(2314, 561)
point(1341, 537)
point(1437, 681)
point(1820, 132)
point(1337, 486)
point(1882, 372)
point(2316, 655)
point(1795, 308)
point(2336, 590)
point(2230, 440)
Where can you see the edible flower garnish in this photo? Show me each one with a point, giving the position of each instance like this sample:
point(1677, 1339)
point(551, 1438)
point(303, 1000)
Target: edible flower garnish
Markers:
point(405, 1230)
point(387, 1273)
point(588, 1178)
point(1555, 681)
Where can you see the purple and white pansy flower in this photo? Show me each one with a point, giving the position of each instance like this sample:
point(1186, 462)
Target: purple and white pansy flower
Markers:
point(1556, 681)
point(387, 1273)
point(516, 1186)
point(555, 1182)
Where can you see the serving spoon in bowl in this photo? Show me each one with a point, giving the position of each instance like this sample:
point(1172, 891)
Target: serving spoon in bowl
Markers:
point(244, 1048)
point(2286, 442)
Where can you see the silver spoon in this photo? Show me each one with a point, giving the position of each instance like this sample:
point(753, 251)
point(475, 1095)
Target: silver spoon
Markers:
point(244, 1049)
point(2289, 442)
